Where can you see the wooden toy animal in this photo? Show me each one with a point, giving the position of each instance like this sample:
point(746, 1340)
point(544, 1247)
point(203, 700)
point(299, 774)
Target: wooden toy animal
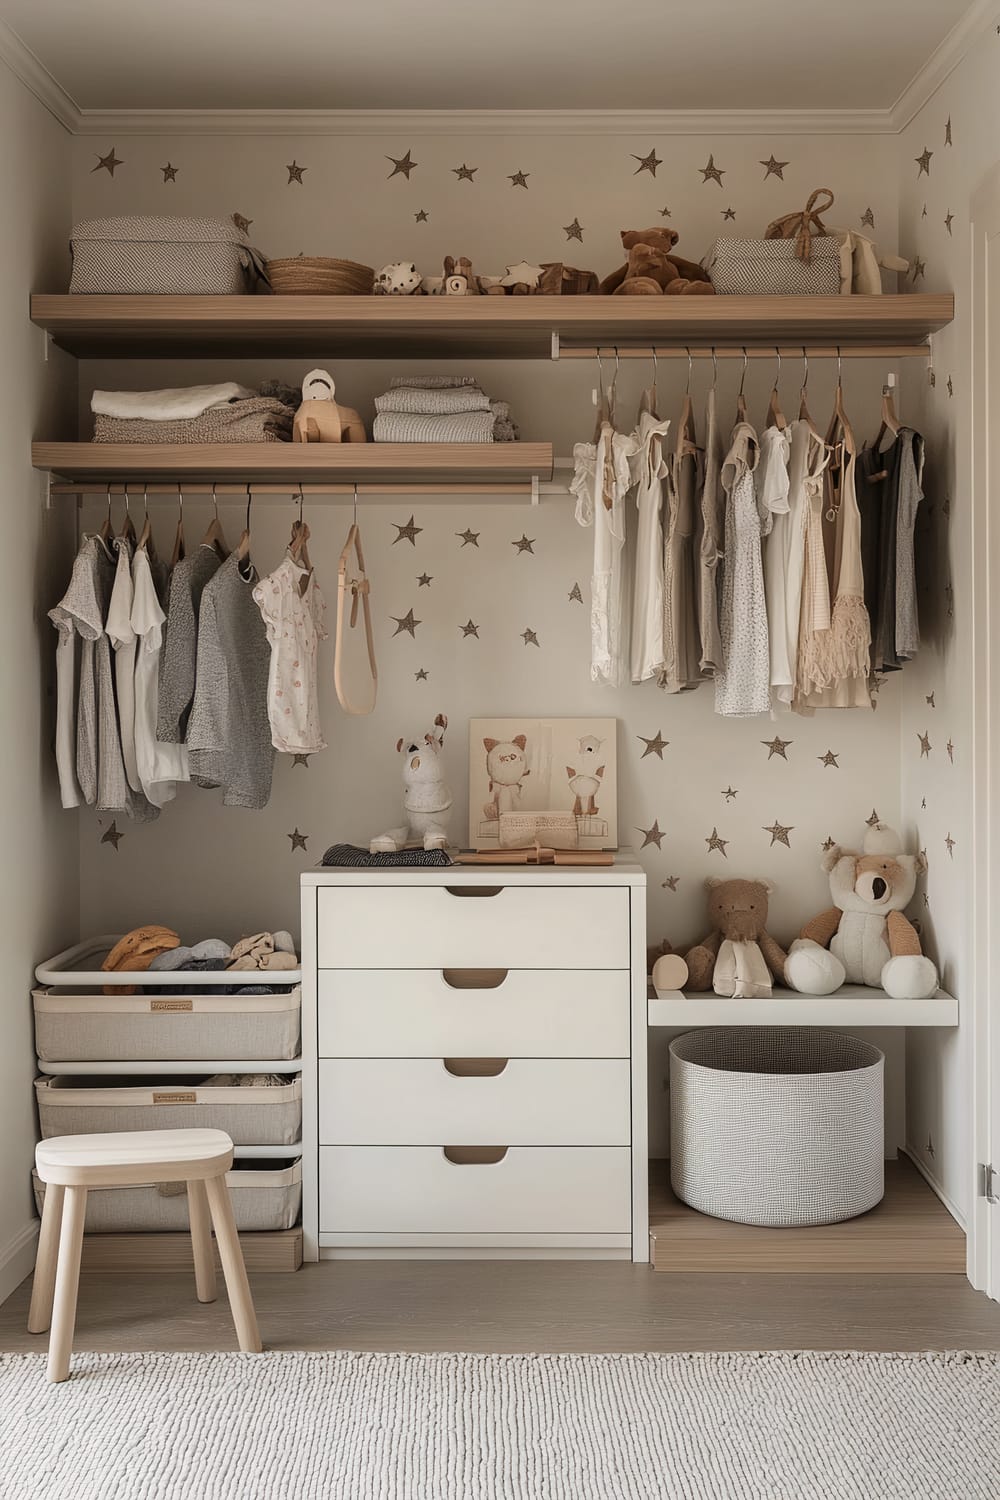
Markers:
point(426, 797)
point(321, 419)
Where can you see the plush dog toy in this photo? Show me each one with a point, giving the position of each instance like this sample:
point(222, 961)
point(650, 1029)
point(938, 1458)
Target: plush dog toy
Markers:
point(739, 958)
point(320, 419)
point(864, 936)
point(653, 268)
point(426, 796)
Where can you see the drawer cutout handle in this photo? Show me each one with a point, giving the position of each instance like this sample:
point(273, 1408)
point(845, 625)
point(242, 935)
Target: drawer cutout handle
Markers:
point(474, 1156)
point(474, 979)
point(473, 890)
point(475, 1067)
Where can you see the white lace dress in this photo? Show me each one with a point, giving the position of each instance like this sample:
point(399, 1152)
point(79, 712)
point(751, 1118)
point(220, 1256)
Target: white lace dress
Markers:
point(648, 471)
point(600, 483)
point(785, 555)
point(742, 688)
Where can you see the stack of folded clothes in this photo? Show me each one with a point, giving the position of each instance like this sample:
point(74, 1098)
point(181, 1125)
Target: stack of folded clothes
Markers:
point(225, 413)
point(441, 409)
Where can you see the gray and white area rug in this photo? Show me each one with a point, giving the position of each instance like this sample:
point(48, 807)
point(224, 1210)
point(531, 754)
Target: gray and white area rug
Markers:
point(343, 1426)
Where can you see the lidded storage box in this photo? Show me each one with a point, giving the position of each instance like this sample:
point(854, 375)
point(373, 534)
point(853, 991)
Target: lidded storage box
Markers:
point(264, 1195)
point(91, 1027)
point(162, 257)
point(772, 268)
point(264, 1114)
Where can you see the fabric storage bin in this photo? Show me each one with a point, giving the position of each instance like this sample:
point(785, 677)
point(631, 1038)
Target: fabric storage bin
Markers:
point(776, 1125)
point(147, 255)
point(264, 1195)
point(92, 1027)
point(252, 1114)
point(771, 268)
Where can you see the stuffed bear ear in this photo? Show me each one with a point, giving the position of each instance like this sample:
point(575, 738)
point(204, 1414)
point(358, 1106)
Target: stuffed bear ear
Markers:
point(441, 722)
point(399, 746)
point(712, 881)
point(920, 863)
point(766, 885)
point(520, 740)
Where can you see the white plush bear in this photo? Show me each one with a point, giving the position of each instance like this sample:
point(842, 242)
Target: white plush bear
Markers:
point(586, 784)
point(864, 937)
point(426, 797)
point(506, 766)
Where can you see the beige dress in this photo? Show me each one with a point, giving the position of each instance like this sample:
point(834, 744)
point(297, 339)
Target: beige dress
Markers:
point(708, 543)
point(681, 645)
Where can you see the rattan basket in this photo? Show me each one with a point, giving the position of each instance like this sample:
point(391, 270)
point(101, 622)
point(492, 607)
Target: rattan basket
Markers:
point(319, 276)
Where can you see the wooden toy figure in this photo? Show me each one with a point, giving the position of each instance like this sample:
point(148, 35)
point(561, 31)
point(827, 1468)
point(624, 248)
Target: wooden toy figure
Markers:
point(320, 419)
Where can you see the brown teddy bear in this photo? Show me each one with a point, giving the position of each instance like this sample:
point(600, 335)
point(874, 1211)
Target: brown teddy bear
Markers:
point(653, 269)
point(739, 958)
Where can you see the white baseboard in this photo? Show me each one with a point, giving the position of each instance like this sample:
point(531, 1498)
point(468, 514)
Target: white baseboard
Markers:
point(935, 1186)
point(17, 1258)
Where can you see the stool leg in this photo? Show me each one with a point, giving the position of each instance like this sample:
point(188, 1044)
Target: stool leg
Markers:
point(201, 1242)
point(44, 1280)
point(235, 1272)
point(67, 1283)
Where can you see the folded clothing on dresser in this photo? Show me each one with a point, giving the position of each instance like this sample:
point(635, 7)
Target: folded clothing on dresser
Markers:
point(257, 419)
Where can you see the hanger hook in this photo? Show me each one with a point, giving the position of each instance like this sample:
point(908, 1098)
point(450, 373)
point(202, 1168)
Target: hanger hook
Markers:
point(145, 500)
point(746, 361)
point(840, 367)
point(777, 373)
point(805, 369)
point(600, 371)
point(125, 488)
point(715, 367)
point(249, 503)
point(109, 501)
point(687, 388)
point(617, 362)
point(180, 498)
point(355, 502)
point(652, 350)
point(215, 500)
point(302, 501)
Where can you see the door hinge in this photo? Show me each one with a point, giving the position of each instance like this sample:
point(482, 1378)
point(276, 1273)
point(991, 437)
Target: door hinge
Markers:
point(987, 1181)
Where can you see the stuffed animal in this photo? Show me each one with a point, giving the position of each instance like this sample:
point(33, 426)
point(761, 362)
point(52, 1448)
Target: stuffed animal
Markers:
point(400, 278)
point(426, 797)
point(506, 767)
point(739, 958)
point(458, 278)
point(559, 280)
point(864, 936)
point(320, 419)
point(653, 268)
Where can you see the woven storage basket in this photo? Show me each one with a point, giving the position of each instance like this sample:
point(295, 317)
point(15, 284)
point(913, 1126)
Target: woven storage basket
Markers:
point(163, 256)
point(771, 268)
point(91, 1027)
point(266, 1195)
point(253, 1115)
point(318, 276)
point(776, 1125)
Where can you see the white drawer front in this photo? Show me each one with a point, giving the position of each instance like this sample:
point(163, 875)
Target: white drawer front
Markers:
point(474, 1013)
point(514, 927)
point(533, 1189)
point(481, 1102)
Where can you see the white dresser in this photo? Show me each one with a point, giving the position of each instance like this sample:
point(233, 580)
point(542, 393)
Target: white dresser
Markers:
point(474, 1062)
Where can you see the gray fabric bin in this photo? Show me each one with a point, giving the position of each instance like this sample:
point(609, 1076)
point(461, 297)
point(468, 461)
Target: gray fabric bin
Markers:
point(149, 255)
point(92, 1027)
point(776, 1125)
point(264, 1195)
point(252, 1115)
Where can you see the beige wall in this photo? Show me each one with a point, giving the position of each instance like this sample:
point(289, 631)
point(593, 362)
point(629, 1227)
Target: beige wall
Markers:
point(39, 909)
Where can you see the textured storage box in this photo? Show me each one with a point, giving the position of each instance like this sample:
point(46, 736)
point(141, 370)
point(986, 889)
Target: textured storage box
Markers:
point(254, 1115)
point(776, 1125)
point(163, 256)
point(74, 1026)
point(771, 268)
point(264, 1196)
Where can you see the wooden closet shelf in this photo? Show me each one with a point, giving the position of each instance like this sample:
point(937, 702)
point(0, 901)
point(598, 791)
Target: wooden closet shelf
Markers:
point(481, 327)
point(852, 1005)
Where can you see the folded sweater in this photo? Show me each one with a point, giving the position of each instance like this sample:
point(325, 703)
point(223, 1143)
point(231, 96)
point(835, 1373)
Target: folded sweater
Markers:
point(260, 419)
point(433, 401)
point(176, 404)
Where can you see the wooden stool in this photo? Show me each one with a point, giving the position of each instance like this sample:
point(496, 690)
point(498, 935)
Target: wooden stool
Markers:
point(70, 1164)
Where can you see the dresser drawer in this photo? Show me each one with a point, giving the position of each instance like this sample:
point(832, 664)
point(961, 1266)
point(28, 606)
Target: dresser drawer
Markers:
point(419, 1189)
point(474, 1013)
point(473, 926)
point(479, 1101)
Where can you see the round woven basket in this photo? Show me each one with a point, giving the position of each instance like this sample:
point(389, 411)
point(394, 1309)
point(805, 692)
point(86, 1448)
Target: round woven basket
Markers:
point(319, 276)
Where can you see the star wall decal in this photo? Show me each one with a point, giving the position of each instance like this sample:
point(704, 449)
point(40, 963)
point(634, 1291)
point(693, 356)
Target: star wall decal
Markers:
point(947, 131)
point(169, 172)
point(878, 682)
point(923, 162)
point(949, 219)
point(873, 821)
point(829, 759)
point(931, 377)
point(654, 745)
point(950, 747)
point(575, 593)
point(773, 168)
point(776, 747)
point(949, 595)
point(923, 212)
point(950, 385)
point(714, 842)
point(574, 231)
point(925, 744)
point(242, 222)
point(712, 173)
point(464, 173)
point(529, 637)
point(424, 580)
point(868, 219)
point(300, 760)
point(665, 213)
point(518, 179)
point(109, 163)
point(295, 172)
point(469, 628)
point(421, 674)
point(671, 883)
point(919, 268)
point(405, 623)
point(647, 163)
point(525, 544)
point(421, 216)
point(929, 1148)
point(469, 538)
point(929, 700)
point(828, 844)
point(652, 835)
point(112, 836)
point(299, 840)
point(729, 213)
point(409, 531)
point(950, 844)
point(730, 793)
point(923, 804)
point(779, 833)
point(403, 166)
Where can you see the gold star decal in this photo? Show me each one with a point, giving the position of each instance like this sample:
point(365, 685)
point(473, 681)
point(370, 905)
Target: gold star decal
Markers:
point(828, 844)
point(730, 793)
point(949, 219)
point(470, 629)
point(950, 845)
point(405, 623)
point(714, 842)
point(729, 213)
point(469, 538)
point(574, 593)
point(421, 674)
point(665, 213)
point(529, 638)
point(464, 173)
point(647, 163)
point(951, 751)
point(829, 759)
point(929, 700)
point(773, 168)
point(112, 836)
point(873, 821)
point(712, 173)
point(919, 268)
point(779, 833)
point(671, 883)
point(242, 223)
point(652, 835)
point(951, 386)
point(654, 746)
point(519, 179)
point(923, 212)
point(776, 747)
point(923, 162)
point(574, 231)
point(923, 804)
point(868, 219)
point(424, 580)
point(525, 544)
point(421, 216)
point(947, 131)
point(299, 840)
point(109, 163)
point(295, 171)
point(403, 166)
point(169, 172)
point(409, 531)
point(925, 744)
point(300, 760)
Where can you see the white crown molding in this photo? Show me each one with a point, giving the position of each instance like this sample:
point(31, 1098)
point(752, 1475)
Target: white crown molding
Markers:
point(23, 63)
point(942, 62)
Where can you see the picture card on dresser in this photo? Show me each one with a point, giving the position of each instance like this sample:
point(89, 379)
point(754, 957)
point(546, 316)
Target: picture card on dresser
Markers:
point(551, 766)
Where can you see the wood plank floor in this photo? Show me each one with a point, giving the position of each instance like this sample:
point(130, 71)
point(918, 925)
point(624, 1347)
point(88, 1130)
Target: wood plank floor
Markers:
point(524, 1306)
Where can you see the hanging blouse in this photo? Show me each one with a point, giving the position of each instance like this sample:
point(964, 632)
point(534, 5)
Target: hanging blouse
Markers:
point(785, 555)
point(708, 543)
point(889, 492)
point(648, 471)
point(122, 638)
point(681, 642)
point(742, 688)
point(160, 766)
point(294, 613)
point(600, 483)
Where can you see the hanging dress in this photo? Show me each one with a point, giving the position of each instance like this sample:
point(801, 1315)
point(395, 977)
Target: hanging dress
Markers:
point(889, 491)
point(600, 483)
point(649, 469)
point(742, 688)
point(161, 766)
point(785, 555)
point(681, 642)
point(294, 614)
point(710, 525)
point(122, 638)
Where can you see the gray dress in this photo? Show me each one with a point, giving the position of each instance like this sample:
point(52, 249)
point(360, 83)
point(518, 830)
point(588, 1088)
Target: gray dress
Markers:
point(180, 650)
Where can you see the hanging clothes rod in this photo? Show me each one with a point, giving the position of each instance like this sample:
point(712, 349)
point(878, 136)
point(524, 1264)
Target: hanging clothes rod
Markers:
point(137, 490)
point(752, 351)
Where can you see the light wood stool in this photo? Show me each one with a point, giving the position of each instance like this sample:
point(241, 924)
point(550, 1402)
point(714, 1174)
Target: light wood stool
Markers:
point(70, 1164)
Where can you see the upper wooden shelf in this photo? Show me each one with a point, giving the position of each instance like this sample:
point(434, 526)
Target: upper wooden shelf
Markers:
point(484, 327)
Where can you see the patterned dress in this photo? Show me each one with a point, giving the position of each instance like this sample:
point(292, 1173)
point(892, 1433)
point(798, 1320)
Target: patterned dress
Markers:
point(742, 688)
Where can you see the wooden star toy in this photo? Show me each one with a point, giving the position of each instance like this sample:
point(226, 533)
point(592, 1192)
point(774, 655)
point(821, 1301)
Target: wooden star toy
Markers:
point(523, 274)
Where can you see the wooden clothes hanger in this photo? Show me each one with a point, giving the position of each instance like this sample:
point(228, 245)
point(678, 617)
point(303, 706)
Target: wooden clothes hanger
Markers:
point(298, 548)
point(128, 530)
point(214, 536)
point(357, 588)
point(147, 527)
point(741, 400)
point(243, 545)
point(840, 422)
point(890, 421)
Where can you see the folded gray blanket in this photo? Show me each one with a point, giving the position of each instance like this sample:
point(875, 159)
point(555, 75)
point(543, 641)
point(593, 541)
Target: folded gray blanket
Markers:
point(258, 420)
point(463, 427)
point(433, 382)
point(433, 401)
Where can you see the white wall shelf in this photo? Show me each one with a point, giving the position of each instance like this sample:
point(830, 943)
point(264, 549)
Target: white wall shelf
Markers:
point(852, 1005)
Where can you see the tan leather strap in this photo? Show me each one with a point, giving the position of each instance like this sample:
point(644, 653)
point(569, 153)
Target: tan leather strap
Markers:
point(358, 590)
point(801, 226)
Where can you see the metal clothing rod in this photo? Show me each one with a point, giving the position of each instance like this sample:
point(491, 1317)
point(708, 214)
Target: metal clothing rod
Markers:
point(138, 490)
point(752, 351)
